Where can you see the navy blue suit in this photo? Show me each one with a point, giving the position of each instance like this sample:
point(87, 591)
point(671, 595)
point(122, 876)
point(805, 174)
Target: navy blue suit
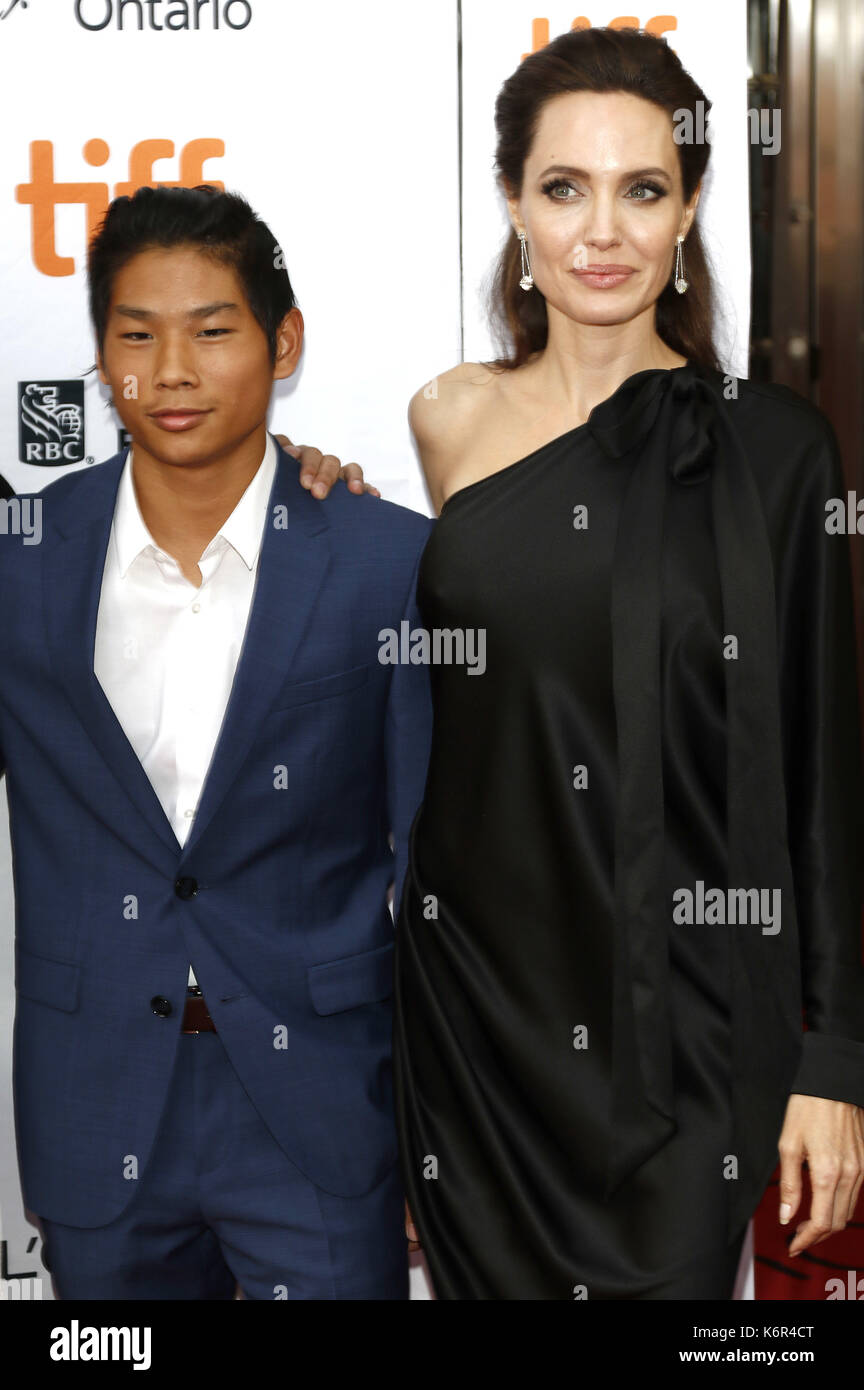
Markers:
point(278, 897)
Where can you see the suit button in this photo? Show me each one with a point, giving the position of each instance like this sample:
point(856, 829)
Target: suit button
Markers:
point(186, 887)
point(161, 1007)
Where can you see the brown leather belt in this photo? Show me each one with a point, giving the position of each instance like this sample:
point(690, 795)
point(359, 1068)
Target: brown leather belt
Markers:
point(196, 1019)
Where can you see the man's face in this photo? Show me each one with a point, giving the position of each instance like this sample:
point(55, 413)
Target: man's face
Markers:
point(187, 362)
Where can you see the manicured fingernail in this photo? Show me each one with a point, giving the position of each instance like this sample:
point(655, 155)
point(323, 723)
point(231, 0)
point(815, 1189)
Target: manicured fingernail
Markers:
point(785, 1213)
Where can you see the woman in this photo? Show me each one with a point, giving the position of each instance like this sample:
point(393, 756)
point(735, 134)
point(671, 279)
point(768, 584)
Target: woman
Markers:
point(598, 1039)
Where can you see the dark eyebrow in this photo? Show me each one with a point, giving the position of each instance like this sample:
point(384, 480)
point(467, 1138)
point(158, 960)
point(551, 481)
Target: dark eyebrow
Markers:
point(207, 309)
point(204, 312)
point(567, 169)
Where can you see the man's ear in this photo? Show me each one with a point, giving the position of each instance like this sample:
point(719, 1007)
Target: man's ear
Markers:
point(289, 344)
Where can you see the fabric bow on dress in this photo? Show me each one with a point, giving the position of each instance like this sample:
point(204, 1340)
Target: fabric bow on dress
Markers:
point(682, 428)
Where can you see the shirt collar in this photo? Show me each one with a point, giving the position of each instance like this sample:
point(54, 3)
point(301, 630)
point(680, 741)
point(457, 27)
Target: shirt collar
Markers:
point(242, 530)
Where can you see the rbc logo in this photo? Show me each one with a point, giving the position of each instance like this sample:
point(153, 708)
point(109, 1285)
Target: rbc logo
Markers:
point(51, 422)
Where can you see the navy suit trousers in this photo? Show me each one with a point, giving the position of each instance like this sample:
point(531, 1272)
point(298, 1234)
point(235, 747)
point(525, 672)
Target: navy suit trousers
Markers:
point(221, 1210)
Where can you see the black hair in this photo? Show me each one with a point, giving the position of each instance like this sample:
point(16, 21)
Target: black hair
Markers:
point(220, 224)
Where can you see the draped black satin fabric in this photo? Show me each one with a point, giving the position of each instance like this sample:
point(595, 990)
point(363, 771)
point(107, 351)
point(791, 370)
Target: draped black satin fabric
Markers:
point(533, 907)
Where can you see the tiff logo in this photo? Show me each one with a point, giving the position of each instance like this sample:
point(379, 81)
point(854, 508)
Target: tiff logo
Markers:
point(44, 194)
point(658, 24)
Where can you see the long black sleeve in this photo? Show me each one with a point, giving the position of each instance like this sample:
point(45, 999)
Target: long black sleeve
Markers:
point(825, 786)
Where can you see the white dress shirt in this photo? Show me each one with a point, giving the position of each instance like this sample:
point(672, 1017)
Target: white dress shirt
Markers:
point(166, 649)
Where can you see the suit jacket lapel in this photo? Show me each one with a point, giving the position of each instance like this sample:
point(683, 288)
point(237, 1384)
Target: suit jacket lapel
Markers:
point(292, 564)
point(73, 584)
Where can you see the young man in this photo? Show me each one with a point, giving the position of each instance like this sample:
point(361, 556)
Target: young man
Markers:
point(205, 761)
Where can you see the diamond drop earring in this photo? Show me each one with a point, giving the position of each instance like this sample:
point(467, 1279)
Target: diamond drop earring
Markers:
point(680, 282)
point(527, 280)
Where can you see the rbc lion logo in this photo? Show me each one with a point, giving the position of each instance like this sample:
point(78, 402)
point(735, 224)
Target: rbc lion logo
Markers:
point(51, 422)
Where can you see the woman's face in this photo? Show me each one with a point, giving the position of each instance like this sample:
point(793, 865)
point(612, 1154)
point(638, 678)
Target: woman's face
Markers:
point(602, 187)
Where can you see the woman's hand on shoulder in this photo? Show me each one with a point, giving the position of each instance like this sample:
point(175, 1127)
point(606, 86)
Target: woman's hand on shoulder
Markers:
point(318, 472)
point(442, 416)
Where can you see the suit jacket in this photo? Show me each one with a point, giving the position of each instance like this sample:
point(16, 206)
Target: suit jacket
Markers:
point(279, 895)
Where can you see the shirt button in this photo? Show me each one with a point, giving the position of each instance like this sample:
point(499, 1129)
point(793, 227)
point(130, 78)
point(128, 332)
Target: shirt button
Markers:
point(161, 1007)
point(196, 608)
point(188, 814)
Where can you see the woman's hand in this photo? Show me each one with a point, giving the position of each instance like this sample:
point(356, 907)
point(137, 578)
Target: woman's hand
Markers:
point(411, 1233)
point(829, 1134)
point(318, 472)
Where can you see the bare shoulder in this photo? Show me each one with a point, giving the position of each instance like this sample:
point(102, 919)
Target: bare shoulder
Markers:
point(446, 413)
point(447, 402)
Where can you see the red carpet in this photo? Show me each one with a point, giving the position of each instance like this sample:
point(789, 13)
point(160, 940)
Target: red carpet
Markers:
point(804, 1276)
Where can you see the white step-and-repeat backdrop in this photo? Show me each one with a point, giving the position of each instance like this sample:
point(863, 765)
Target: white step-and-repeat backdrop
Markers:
point(346, 126)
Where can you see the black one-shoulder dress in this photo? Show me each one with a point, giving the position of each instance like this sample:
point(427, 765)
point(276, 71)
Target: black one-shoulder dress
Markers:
point(590, 1078)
